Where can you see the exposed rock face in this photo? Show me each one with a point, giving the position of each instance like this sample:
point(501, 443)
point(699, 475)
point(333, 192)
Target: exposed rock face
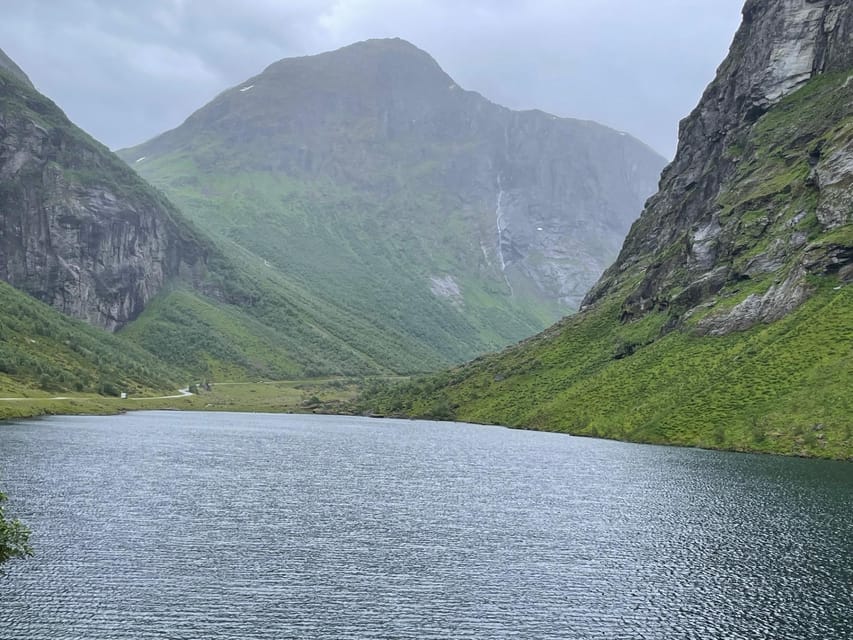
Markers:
point(78, 229)
point(760, 188)
point(567, 193)
point(547, 200)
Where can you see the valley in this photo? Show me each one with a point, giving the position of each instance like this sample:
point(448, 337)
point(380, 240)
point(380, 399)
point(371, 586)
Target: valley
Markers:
point(343, 348)
point(358, 215)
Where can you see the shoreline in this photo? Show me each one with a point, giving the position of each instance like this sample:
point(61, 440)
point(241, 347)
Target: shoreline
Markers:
point(102, 406)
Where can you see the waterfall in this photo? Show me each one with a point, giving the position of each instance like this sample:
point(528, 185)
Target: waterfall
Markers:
point(499, 223)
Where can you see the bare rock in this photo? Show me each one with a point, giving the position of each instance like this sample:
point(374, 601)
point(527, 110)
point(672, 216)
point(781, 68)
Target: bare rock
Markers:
point(78, 229)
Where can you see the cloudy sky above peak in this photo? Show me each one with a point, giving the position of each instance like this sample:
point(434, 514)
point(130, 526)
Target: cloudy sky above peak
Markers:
point(126, 70)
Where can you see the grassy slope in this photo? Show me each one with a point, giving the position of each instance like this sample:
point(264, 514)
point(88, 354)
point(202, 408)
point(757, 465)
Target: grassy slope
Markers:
point(372, 258)
point(781, 388)
point(44, 353)
point(288, 396)
point(281, 330)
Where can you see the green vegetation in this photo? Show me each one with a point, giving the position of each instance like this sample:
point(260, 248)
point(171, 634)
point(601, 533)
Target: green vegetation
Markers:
point(281, 331)
point(14, 537)
point(326, 395)
point(43, 353)
point(305, 395)
point(778, 388)
point(357, 256)
point(781, 388)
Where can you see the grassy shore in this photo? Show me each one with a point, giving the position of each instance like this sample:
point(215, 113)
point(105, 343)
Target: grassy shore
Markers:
point(285, 396)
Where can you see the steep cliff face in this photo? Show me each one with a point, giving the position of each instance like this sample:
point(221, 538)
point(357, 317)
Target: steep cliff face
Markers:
point(78, 229)
point(727, 319)
point(761, 180)
point(522, 207)
point(567, 194)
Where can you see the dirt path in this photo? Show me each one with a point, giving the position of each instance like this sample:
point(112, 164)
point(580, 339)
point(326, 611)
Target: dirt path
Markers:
point(182, 393)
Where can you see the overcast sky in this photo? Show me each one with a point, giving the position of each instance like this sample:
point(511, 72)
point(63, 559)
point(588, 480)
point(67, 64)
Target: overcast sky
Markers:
point(126, 70)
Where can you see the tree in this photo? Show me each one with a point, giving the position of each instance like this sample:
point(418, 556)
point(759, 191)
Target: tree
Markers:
point(13, 537)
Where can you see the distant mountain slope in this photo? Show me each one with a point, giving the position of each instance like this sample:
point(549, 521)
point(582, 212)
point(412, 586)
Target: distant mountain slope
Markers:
point(369, 176)
point(727, 320)
point(83, 232)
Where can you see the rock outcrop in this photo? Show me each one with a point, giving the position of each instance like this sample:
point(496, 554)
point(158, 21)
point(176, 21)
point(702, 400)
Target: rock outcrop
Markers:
point(761, 189)
point(79, 230)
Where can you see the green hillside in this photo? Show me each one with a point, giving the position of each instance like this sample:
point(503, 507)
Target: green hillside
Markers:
point(779, 388)
point(43, 352)
point(321, 237)
point(725, 323)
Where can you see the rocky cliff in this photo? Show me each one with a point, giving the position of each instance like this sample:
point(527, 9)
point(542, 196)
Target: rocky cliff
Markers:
point(727, 319)
point(78, 229)
point(753, 198)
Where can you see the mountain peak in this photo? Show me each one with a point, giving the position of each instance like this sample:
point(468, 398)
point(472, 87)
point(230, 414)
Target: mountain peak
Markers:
point(373, 152)
point(376, 65)
point(366, 50)
point(398, 45)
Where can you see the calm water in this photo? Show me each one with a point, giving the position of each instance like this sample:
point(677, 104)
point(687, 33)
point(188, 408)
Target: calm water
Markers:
point(208, 526)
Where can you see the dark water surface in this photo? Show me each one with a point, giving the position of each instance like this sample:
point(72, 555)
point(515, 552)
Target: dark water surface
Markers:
point(208, 526)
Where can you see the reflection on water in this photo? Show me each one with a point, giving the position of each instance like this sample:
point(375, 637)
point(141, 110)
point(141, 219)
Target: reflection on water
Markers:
point(182, 525)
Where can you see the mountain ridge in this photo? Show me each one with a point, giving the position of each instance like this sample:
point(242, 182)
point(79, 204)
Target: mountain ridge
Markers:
point(9, 65)
point(774, 53)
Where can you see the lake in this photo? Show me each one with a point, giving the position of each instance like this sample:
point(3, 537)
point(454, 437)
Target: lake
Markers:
point(214, 526)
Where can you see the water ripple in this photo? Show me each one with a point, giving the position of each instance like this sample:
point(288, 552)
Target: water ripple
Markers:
point(185, 526)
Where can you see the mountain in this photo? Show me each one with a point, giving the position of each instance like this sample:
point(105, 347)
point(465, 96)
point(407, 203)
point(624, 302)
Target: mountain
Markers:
point(370, 177)
point(82, 232)
point(727, 319)
point(78, 229)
